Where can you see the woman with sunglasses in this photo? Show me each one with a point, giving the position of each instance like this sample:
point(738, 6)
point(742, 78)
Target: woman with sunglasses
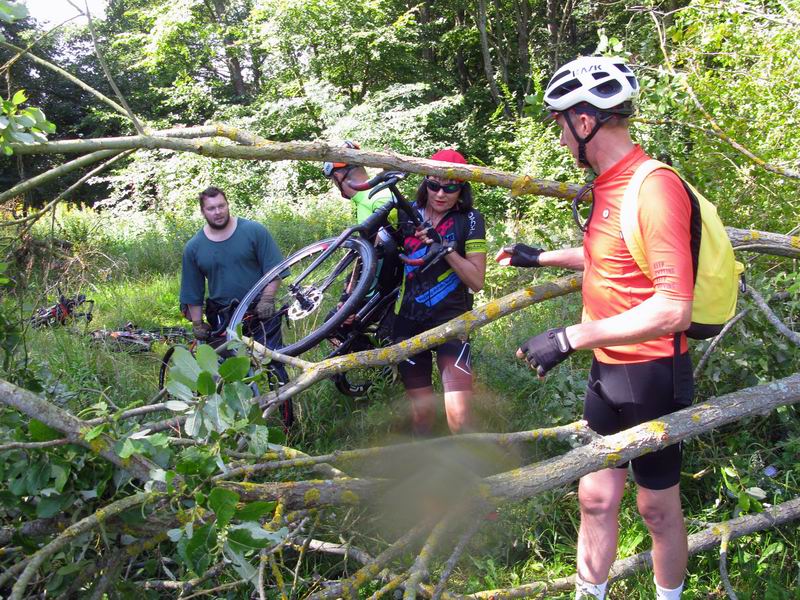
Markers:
point(432, 295)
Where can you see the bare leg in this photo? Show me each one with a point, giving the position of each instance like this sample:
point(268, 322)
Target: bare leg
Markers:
point(662, 513)
point(599, 495)
point(423, 409)
point(457, 407)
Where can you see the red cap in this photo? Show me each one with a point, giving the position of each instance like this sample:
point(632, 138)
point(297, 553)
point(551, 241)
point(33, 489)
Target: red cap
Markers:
point(449, 155)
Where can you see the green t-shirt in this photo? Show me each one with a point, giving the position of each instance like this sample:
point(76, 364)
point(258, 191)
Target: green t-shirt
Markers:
point(365, 205)
point(230, 267)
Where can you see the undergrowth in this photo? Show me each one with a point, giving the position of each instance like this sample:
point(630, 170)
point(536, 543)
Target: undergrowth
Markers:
point(130, 268)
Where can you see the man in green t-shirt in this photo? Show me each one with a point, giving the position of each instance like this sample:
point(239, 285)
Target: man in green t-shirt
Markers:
point(228, 255)
point(343, 175)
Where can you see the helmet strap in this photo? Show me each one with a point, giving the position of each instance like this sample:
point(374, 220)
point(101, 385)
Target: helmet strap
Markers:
point(600, 120)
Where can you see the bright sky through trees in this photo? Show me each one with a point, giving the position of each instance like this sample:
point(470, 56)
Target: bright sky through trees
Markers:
point(53, 12)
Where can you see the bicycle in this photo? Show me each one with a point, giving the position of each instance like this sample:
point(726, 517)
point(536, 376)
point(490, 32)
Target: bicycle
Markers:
point(216, 339)
point(134, 339)
point(63, 310)
point(333, 279)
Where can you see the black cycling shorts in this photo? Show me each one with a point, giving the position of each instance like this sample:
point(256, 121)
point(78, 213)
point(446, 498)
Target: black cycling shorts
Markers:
point(621, 396)
point(453, 358)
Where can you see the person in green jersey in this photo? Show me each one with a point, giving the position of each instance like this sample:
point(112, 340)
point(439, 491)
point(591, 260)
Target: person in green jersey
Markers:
point(343, 175)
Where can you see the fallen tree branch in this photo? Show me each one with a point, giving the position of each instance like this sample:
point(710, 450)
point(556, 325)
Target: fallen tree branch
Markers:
point(107, 72)
point(82, 526)
point(34, 217)
point(765, 242)
point(791, 173)
point(698, 542)
point(349, 587)
point(68, 76)
point(461, 545)
point(33, 445)
point(772, 317)
point(419, 570)
point(459, 327)
point(312, 151)
point(717, 339)
point(530, 480)
point(73, 428)
point(295, 459)
point(723, 563)
point(56, 172)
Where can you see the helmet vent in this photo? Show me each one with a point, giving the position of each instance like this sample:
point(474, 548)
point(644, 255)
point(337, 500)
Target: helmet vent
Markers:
point(607, 89)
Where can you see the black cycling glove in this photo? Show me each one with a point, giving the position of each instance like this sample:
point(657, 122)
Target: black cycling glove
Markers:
point(546, 350)
point(519, 255)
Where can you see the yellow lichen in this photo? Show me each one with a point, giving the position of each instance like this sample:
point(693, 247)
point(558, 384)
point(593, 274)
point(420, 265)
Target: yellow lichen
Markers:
point(613, 458)
point(350, 497)
point(311, 496)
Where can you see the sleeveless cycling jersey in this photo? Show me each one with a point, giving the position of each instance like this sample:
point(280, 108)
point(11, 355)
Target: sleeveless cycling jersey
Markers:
point(612, 282)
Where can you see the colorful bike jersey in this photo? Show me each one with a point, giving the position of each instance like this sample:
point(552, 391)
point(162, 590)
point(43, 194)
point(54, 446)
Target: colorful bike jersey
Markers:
point(612, 281)
point(437, 295)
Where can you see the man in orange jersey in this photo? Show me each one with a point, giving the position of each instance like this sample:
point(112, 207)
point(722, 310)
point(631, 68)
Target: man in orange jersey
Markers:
point(641, 368)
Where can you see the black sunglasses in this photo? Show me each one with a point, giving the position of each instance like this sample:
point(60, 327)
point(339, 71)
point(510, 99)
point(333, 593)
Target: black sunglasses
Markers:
point(449, 188)
point(576, 215)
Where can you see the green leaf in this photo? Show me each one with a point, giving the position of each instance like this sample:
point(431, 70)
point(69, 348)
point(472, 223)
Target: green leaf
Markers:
point(234, 368)
point(49, 507)
point(94, 432)
point(37, 477)
point(60, 474)
point(248, 536)
point(241, 565)
point(184, 368)
point(255, 510)
point(223, 503)
point(21, 136)
point(40, 432)
point(19, 97)
point(179, 390)
point(193, 423)
point(25, 121)
point(207, 358)
point(216, 415)
point(205, 384)
point(199, 549)
point(177, 405)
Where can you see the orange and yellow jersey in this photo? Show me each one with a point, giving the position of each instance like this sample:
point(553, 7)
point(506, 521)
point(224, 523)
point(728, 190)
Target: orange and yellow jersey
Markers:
point(612, 282)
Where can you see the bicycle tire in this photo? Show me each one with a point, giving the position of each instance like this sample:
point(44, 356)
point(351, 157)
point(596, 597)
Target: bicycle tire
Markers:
point(302, 328)
point(164, 368)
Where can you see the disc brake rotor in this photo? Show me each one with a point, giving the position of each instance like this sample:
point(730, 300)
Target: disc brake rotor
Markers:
point(312, 299)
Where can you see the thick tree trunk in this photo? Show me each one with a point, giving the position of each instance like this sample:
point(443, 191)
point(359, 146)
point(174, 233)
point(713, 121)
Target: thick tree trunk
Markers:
point(231, 59)
point(487, 58)
point(523, 12)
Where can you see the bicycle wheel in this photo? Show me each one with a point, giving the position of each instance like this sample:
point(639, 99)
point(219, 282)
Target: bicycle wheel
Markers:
point(356, 383)
point(304, 305)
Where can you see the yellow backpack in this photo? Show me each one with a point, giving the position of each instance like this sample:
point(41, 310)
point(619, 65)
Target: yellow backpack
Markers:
point(716, 271)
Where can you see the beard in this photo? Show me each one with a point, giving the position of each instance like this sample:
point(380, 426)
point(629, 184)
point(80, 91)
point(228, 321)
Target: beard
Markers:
point(223, 225)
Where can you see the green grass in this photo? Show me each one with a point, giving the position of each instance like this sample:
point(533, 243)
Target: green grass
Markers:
point(132, 275)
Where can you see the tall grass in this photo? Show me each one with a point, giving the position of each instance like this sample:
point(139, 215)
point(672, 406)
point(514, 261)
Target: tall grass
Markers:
point(133, 265)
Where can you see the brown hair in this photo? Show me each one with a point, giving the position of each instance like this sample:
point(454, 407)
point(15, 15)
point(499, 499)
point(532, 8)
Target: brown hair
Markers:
point(209, 192)
point(464, 203)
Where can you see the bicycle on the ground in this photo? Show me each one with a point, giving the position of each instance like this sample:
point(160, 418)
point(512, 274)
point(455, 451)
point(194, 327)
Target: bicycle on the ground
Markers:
point(131, 338)
point(64, 310)
point(335, 279)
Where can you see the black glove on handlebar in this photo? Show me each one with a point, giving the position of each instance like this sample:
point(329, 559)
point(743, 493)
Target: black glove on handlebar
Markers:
point(546, 350)
point(519, 255)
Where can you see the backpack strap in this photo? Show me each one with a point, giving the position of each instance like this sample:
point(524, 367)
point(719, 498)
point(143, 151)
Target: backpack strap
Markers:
point(629, 216)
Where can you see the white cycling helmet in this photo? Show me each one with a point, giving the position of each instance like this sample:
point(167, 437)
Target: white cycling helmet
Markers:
point(604, 82)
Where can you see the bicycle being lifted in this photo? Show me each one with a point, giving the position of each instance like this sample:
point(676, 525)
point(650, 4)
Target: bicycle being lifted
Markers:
point(343, 289)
